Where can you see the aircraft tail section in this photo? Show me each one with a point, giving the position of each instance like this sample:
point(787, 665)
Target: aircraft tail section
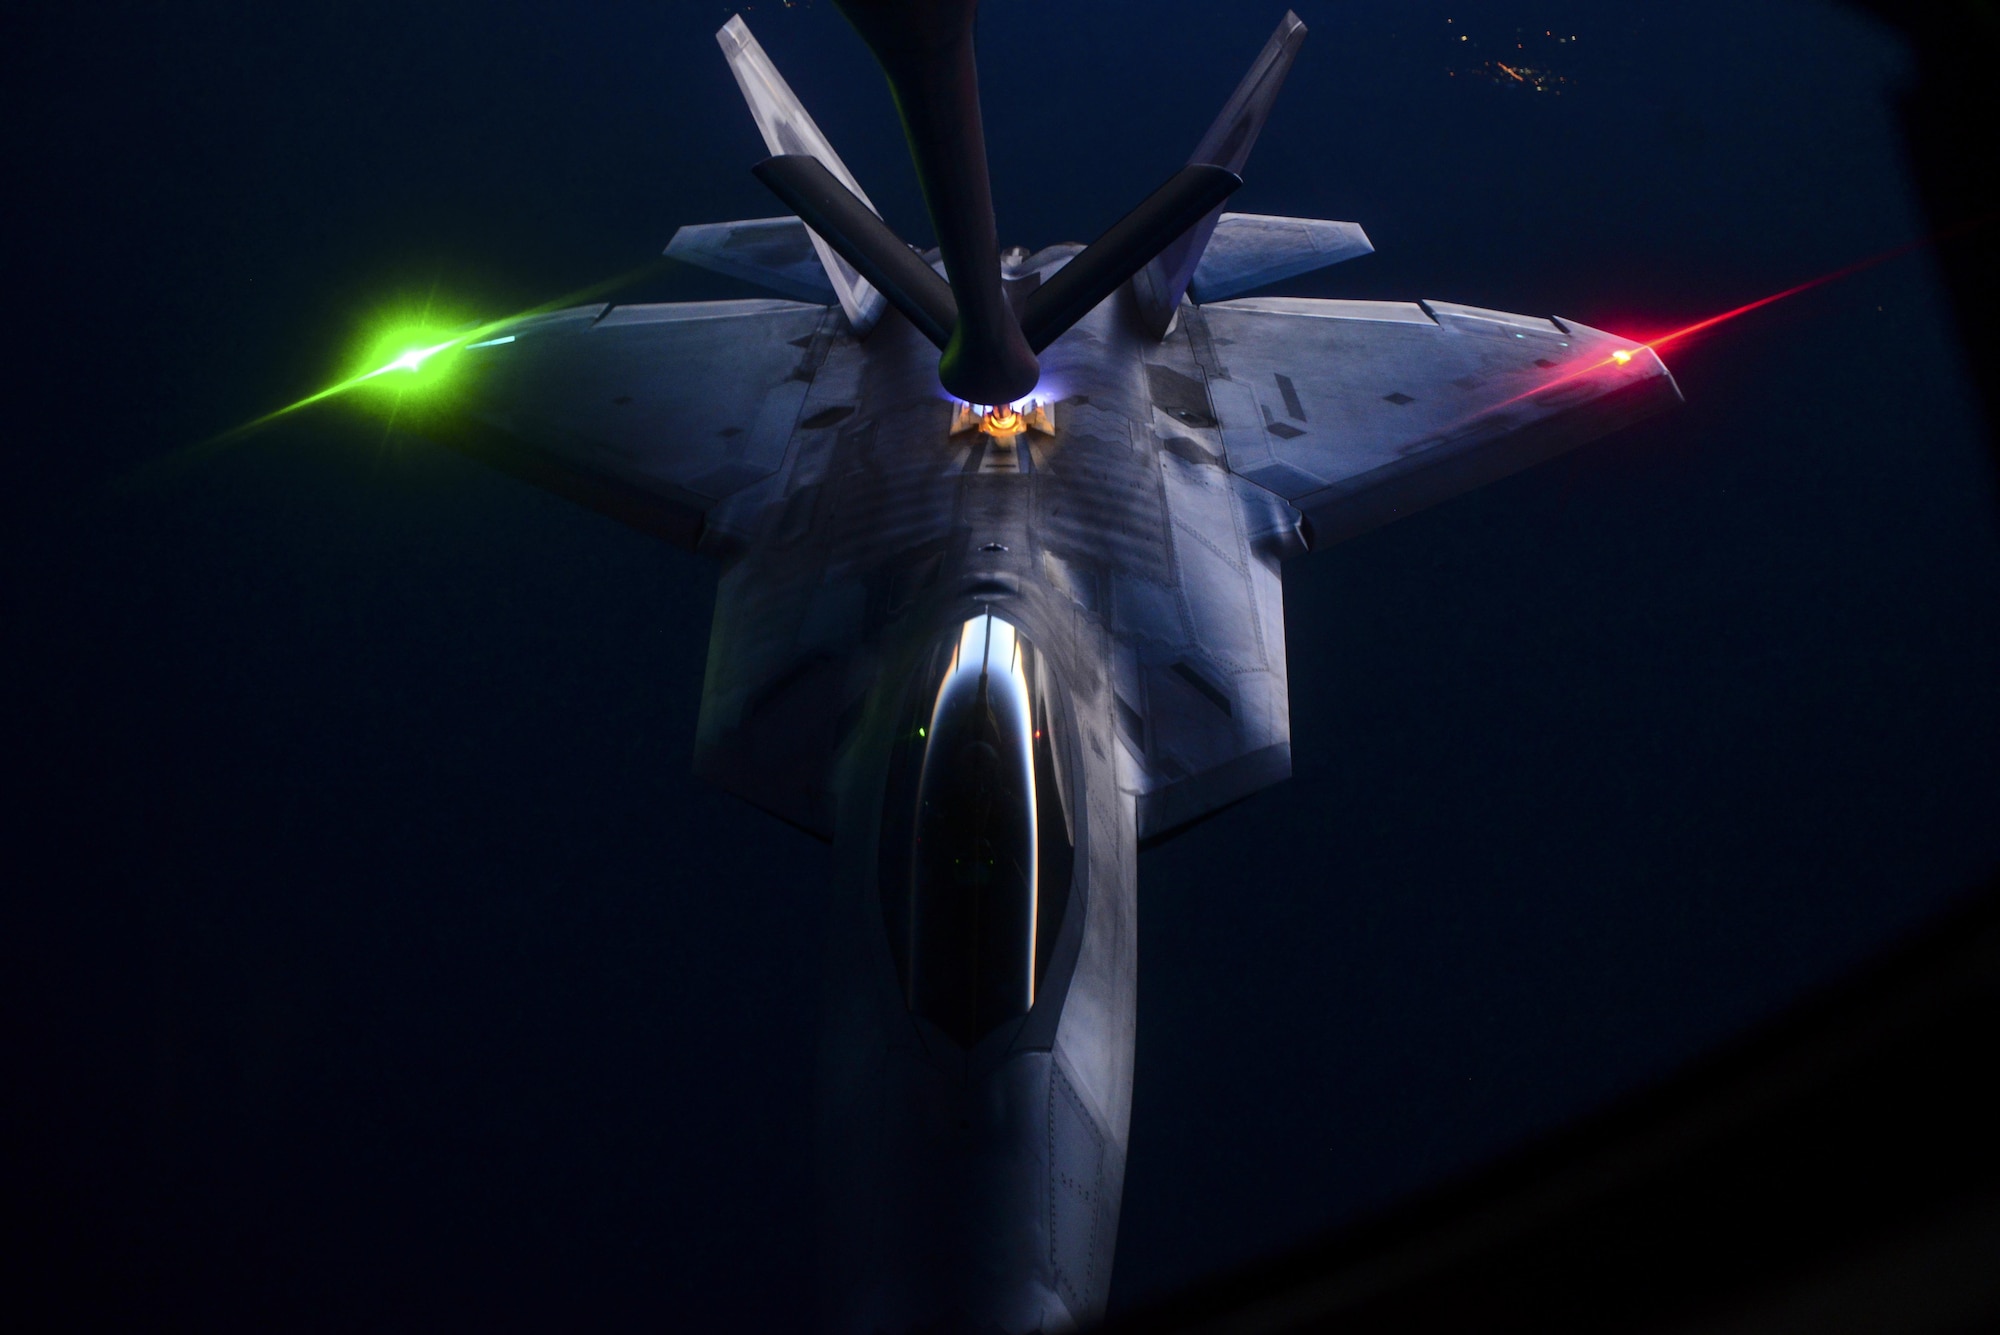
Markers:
point(787, 129)
point(989, 352)
point(1160, 285)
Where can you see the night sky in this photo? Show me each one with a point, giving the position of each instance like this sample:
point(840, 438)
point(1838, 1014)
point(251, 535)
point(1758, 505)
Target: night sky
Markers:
point(371, 958)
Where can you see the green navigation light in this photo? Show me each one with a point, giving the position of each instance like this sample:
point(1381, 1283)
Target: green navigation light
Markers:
point(403, 357)
point(414, 358)
point(403, 361)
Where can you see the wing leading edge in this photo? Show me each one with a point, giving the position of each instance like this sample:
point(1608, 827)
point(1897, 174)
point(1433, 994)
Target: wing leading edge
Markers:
point(651, 414)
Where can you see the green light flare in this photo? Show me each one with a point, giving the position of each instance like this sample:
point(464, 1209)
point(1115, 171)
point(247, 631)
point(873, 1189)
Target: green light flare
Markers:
point(404, 360)
point(407, 358)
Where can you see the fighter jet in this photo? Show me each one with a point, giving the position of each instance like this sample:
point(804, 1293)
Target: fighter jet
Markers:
point(1002, 536)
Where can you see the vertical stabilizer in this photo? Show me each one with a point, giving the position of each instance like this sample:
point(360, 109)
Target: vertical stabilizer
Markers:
point(787, 129)
point(1160, 285)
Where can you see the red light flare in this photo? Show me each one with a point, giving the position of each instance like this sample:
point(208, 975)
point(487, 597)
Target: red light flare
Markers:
point(1807, 286)
point(1623, 355)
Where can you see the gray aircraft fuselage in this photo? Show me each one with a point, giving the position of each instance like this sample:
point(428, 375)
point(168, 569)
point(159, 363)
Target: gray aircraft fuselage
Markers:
point(973, 1142)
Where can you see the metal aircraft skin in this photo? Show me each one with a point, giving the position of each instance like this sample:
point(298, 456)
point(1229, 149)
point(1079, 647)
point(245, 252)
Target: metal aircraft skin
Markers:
point(987, 653)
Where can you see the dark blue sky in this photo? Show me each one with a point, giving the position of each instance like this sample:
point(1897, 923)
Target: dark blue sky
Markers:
point(379, 965)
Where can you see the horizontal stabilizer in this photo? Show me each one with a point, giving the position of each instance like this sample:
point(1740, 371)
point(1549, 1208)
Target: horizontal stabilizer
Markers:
point(1161, 284)
point(782, 120)
point(774, 253)
point(841, 220)
point(1074, 290)
point(1251, 250)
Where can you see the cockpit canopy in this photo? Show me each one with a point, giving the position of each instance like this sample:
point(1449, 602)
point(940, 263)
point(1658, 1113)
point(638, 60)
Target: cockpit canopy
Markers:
point(962, 839)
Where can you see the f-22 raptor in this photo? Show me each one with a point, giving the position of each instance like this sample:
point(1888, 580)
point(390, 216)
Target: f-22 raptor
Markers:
point(1002, 536)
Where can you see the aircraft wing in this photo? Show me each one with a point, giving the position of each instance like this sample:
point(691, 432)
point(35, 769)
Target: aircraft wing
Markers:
point(1360, 412)
point(652, 414)
point(1343, 415)
point(1199, 679)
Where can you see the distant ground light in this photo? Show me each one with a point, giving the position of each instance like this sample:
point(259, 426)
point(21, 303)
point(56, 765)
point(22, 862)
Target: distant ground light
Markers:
point(1522, 62)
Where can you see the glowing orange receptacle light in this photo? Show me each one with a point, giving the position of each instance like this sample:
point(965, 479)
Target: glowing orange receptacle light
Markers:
point(1621, 356)
point(1004, 422)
